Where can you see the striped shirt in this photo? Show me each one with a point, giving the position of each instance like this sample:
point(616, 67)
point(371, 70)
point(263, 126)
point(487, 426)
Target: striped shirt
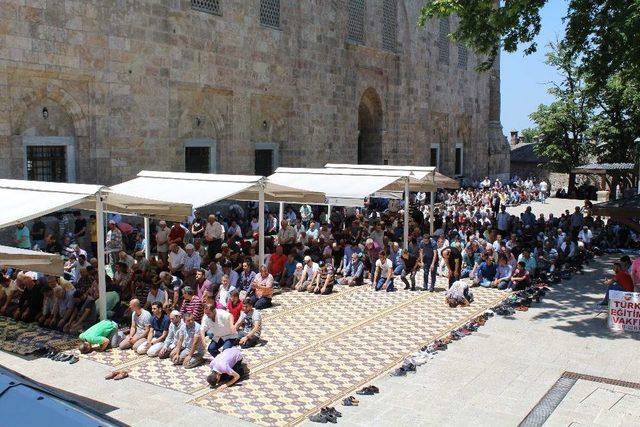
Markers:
point(194, 306)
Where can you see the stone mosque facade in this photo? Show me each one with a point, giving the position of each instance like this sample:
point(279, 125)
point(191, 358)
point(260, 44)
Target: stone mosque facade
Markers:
point(93, 91)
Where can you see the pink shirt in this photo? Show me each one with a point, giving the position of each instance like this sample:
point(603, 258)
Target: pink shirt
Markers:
point(635, 271)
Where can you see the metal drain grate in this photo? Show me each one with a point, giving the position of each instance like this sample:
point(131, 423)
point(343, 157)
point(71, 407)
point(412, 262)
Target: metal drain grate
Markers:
point(548, 403)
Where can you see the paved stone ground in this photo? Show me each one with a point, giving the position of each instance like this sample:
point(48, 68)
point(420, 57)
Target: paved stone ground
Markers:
point(497, 375)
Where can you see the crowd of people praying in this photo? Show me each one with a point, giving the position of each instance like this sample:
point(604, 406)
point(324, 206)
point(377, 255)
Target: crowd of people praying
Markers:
point(201, 290)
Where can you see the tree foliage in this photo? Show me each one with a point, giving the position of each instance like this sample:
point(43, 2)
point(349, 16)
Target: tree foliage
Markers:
point(603, 33)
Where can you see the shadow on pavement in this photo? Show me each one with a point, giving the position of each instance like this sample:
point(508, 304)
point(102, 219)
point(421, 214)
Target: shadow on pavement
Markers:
point(574, 303)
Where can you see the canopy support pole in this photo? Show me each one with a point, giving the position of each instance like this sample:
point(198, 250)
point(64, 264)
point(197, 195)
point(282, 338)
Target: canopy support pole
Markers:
point(280, 214)
point(102, 281)
point(433, 202)
point(147, 238)
point(328, 213)
point(405, 242)
point(261, 224)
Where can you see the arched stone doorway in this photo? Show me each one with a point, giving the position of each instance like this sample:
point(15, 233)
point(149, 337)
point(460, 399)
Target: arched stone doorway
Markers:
point(370, 128)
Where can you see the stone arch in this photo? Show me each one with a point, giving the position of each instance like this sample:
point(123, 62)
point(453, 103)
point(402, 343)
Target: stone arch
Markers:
point(200, 123)
point(370, 126)
point(52, 96)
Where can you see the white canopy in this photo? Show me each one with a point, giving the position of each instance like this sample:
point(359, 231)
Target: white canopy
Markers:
point(200, 189)
point(24, 259)
point(33, 199)
point(343, 187)
point(421, 177)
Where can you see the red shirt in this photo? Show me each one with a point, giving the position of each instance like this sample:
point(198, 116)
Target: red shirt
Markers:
point(177, 232)
point(277, 264)
point(234, 311)
point(624, 280)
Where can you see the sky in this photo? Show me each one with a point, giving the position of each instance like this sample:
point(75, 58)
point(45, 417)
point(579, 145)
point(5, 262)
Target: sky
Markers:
point(523, 78)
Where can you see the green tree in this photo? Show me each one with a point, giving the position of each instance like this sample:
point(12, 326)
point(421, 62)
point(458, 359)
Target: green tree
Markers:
point(603, 33)
point(617, 121)
point(529, 135)
point(564, 124)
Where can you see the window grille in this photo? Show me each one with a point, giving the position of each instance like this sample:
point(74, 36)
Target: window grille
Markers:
point(355, 21)
point(270, 13)
point(207, 6)
point(389, 24)
point(463, 56)
point(443, 41)
point(47, 163)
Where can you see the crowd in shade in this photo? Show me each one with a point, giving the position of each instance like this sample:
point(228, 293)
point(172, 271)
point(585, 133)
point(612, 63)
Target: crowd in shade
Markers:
point(201, 291)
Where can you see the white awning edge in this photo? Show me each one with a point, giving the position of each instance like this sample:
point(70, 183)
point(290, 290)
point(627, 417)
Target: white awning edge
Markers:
point(23, 259)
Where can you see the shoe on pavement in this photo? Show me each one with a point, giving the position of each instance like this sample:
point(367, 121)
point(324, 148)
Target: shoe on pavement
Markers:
point(318, 418)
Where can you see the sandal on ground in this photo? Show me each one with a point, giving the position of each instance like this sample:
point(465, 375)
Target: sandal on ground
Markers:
point(111, 375)
point(121, 375)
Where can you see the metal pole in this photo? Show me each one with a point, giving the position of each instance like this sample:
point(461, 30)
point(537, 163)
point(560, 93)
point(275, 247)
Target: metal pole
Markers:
point(261, 224)
point(102, 281)
point(433, 201)
point(329, 213)
point(405, 243)
point(280, 214)
point(147, 239)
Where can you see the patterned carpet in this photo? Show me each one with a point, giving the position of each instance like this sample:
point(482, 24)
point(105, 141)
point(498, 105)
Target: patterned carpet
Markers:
point(315, 350)
point(27, 338)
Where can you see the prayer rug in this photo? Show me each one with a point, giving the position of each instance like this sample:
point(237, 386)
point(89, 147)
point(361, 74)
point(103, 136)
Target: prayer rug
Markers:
point(290, 386)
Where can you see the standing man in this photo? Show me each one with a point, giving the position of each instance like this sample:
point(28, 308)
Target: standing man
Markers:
point(410, 265)
point(113, 242)
point(286, 236)
point(197, 226)
point(162, 241)
point(543, 191)
point(502, 220)
point(213, 235)
point(429, 255)
point(22, 239)
point(453, 258)
point(176, 234)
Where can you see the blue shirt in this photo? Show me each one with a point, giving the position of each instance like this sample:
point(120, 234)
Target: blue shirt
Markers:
point(486, 271)
point(159, 325)
point(427, 246)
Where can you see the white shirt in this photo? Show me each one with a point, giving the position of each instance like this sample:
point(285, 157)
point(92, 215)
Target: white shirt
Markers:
point(177, 258)
point(543, 186)
point(222, 327)
point(585, 236)
point(160, 297)
point(384, 269)
point(214, 231)
point(309, 271)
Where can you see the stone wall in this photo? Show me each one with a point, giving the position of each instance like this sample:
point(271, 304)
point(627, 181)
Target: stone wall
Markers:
point(133, 81)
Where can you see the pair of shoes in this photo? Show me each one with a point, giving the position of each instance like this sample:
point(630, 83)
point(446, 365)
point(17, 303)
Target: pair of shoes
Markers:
point(117, 375)
point(323, 418)
point(521, 308)
point(409, 365)
point(331, 411)
point(51, 354)
point(368, 390)
point(62, 357)
point(398, 372)
point(350, 401)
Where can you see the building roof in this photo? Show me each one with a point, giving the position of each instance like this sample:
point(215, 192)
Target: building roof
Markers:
point(628, 206)
point(607, 167)
point(525, 153)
